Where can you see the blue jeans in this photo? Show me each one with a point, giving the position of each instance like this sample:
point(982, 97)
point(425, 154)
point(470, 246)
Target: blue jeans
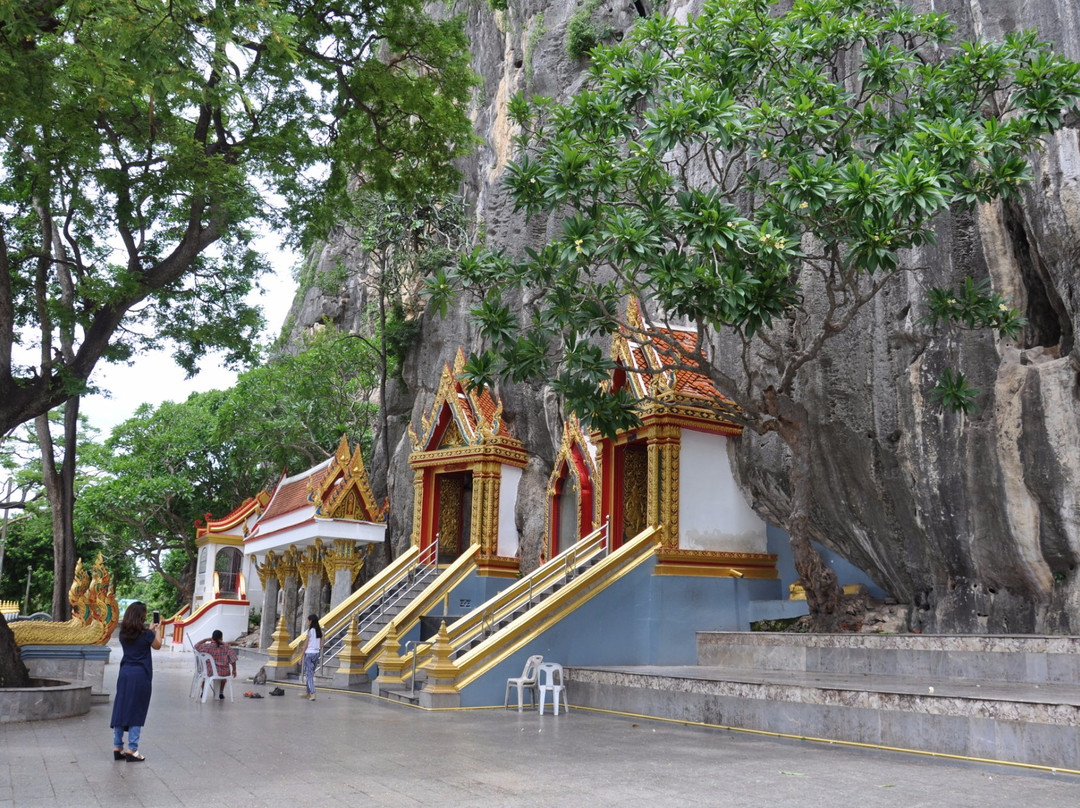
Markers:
point(309, 670)
point(133, 737)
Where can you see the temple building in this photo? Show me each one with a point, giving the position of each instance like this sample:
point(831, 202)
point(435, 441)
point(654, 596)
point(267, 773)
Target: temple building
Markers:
point(673, 470)
point(467, 469)
point(293, 551)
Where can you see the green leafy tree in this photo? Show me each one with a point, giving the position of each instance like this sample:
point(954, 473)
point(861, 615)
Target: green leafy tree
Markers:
point(139, 144)
point(290, 413)
point(403, 242)
point(169, 466)
point(721, 169)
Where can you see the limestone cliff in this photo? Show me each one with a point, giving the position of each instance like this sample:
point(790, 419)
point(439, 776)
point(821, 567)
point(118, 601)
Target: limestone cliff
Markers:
point(973, 521)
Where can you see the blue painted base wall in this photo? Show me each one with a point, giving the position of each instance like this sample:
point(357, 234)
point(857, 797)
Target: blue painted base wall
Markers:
point(642, 619)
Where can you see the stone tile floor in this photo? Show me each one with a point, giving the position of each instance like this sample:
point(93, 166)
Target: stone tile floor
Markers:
point(353, 750)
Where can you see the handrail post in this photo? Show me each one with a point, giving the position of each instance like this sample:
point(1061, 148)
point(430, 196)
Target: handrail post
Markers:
point(412, 679)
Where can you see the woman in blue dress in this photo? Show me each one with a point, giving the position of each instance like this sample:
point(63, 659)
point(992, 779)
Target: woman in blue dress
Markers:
point(133, 685)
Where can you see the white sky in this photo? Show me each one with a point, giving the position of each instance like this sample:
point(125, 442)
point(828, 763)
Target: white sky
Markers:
point(154, 378)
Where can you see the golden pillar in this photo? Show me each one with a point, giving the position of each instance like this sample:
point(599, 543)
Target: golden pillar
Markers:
point(278, 664)
point(268, 578)
point(286, 571)
point(485, 508)
point(418, 507)
point(391, 664)
point(664, 483)
point(342, 563)
point(441, 690)
point(310, 567)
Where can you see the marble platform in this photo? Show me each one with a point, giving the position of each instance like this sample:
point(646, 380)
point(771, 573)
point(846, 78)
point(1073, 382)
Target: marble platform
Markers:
point(1012, 699)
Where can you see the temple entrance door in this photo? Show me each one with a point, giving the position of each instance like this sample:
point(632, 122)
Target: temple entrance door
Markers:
point(455, 514)
point(227, 565)
point(634, 490)
point(564, 532)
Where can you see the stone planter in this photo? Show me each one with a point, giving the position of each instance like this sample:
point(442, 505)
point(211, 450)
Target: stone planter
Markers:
point(44, 699)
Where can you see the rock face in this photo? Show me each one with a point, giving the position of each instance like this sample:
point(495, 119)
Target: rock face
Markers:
point(972, 521)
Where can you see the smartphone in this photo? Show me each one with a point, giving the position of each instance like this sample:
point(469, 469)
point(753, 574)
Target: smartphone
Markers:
point(157, 616)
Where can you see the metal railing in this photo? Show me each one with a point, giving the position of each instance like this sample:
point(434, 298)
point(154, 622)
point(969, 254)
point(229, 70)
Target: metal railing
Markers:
point(377, 603)
point(534, 588)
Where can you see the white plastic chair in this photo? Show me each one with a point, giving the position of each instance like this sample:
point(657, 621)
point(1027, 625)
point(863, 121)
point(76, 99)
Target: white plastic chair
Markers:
point(200, 674)
point(527, 681)
point(551, 681)
point(215, 676)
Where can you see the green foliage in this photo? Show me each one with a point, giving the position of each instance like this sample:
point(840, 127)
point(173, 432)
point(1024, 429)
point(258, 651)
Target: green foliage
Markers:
point(953, 391)
point(535, 33)
point(974, 305)
point(169, 466)
point(584, 31)
point(499, 5)
point(715, 168)
point(157, 591)
point(144, 141)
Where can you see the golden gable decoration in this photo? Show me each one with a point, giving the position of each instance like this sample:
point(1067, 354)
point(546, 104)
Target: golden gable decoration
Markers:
point(344, 491)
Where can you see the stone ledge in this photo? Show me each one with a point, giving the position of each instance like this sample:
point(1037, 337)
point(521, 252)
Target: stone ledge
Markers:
point(986, 729)
point(46, 699)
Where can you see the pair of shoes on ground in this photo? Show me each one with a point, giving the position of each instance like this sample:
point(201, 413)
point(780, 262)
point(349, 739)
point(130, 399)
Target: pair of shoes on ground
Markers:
point(277, 691)
point(130, 757)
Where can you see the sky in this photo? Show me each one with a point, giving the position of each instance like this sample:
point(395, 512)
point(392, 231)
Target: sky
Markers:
point(154, 377)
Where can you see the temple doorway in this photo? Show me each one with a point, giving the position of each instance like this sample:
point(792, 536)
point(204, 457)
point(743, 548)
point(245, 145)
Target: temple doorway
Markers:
point(634, 490)
point(227, 572)
point(455, 514)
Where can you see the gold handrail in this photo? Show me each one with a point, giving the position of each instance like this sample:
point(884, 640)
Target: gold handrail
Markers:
point(337, 619)
point(475, 663)
point(513, 597)
point(410, 615)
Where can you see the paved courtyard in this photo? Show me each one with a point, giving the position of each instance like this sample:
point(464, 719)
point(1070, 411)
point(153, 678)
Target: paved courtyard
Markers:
point(353, 750)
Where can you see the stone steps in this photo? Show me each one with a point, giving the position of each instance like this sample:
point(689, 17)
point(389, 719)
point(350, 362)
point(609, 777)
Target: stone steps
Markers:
point(893, 692)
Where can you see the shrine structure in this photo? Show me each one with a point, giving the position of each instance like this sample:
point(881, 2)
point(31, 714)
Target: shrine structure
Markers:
point(467, 468)
point(310, 535)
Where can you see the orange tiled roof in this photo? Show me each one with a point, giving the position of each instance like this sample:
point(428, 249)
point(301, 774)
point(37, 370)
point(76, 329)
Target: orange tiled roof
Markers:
point(682, 381)
point(293, 494)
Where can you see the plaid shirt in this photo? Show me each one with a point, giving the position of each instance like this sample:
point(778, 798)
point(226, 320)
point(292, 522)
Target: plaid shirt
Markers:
point(224, 656)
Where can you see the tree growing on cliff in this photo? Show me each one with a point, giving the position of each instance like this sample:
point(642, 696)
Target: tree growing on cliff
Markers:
point(403, 242)
point(721, 169)
point(141, 141)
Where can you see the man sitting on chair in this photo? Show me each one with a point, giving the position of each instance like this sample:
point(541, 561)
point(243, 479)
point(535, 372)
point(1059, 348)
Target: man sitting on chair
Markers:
point(223, 654)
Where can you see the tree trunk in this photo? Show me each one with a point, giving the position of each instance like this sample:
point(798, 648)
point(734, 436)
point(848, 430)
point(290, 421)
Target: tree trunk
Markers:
point(823, 593)
point(60, 490)
point(13, 672)
point(384, 418)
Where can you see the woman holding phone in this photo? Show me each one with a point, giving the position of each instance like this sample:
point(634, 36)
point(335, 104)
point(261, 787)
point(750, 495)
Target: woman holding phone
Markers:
point(133, 685)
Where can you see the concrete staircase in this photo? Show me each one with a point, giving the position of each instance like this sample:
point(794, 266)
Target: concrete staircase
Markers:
point(374, 618)
point(1002, 698)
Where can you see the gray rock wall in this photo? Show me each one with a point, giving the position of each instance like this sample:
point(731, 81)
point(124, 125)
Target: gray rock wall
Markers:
point(974, 521)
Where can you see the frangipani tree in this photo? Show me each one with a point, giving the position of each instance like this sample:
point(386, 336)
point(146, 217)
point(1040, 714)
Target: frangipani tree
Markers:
point(724, 169)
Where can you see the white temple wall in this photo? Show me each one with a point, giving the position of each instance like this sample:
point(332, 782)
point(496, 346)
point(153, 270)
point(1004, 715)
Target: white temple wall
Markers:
point(508, 491)
point(712, 512)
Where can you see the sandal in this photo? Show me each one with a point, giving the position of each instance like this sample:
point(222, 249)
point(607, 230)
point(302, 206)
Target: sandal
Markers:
point(118, 754)
point(134, 757)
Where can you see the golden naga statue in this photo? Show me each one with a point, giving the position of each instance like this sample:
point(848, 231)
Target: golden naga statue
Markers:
point(94, 613)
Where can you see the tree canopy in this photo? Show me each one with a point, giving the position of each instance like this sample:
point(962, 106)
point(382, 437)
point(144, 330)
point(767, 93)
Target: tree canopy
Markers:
point(140, 143)
point(169, 466)
point(723, 169)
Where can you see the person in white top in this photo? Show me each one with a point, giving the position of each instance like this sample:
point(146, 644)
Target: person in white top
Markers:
point(312, 647)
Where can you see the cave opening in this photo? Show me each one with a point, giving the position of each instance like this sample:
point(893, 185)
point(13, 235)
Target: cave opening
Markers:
point(1048, 323)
